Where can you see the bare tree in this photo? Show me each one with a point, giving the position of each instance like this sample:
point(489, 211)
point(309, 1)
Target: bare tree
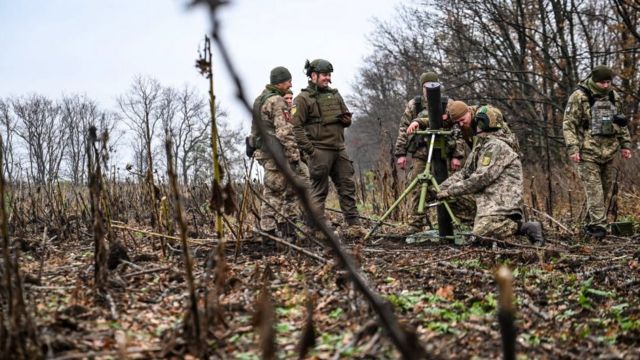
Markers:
point(139, 107)
point(39, 126)
point(79, 113)
point(7, 130)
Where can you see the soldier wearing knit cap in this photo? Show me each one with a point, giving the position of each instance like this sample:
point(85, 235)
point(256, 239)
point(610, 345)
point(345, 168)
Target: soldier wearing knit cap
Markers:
point(272, 115)
point(416, 115)
point(594, 130)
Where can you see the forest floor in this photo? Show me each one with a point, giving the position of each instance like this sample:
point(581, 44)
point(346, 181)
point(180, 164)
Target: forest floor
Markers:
point(575, 298)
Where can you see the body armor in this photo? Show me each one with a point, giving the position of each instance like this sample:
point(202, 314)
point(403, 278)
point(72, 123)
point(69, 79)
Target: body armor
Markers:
point(602, 113)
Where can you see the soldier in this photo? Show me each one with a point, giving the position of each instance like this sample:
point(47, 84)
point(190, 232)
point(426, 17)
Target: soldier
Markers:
point(493, 174)
point(320, 118)
point(271, 110)
point(594, 130)
point(288, 98)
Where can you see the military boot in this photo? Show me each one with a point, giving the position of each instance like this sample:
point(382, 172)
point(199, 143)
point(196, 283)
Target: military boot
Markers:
point(597, 231)
point(287, 232)
point(533, 231)
point(353, 221)
point(268, 245)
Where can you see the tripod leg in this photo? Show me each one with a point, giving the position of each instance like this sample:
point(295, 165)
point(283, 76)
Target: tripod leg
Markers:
point(404, 194)
point(454, 219)
point(423, 197)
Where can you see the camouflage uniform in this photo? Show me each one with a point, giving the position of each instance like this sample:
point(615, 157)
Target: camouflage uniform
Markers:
point(493, 174)
point(596, 151)
point(319, 123)
point(277, 193)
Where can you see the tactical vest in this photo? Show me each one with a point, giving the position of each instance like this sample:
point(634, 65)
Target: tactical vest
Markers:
point(602, 111)
point(329, 106)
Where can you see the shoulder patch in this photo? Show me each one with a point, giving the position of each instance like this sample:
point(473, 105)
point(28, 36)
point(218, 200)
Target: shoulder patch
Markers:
point(486, 159)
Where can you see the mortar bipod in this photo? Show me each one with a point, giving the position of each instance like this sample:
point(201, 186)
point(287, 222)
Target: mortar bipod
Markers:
point(423, 179)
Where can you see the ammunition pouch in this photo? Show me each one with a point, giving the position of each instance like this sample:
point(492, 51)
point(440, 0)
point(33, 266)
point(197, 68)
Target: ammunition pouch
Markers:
point(620, 120)
point(415, 142)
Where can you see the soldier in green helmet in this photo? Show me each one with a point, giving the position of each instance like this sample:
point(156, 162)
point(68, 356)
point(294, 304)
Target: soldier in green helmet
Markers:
point(319, 121)
point(595, 129)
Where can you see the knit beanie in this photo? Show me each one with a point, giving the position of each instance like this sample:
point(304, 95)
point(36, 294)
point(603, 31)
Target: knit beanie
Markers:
point(428, 77)
point(601, 73)
point(279, 75)
point(457, 109)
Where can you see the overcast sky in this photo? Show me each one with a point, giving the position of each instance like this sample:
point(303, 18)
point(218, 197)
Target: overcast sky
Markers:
point(92, 47)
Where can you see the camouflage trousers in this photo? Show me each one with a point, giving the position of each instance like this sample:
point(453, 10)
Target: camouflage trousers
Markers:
point(596, 180)
point(464, 207)
point(279, 198)
point(495, 226)
point(334, 164)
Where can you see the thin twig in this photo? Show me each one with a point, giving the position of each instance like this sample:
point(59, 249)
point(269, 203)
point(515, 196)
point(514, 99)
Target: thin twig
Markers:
point(149, 271)
point(175, 238)
point(563, 227)
point(297, 248)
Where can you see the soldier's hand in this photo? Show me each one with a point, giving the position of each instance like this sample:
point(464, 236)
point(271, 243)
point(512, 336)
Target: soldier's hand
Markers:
point(412, 127)
point(626, 153)
point(456, 164)
point(402, 162)
point(575, 157)
point(442, 194)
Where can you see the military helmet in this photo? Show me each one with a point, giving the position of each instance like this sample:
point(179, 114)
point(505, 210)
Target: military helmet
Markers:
point(489, 119)
point(428, 76)
point(319, 66)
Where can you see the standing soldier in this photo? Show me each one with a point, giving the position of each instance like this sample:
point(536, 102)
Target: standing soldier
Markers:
point(319, 121)
point(493, 175)
point(271, 111)
point(594, 130)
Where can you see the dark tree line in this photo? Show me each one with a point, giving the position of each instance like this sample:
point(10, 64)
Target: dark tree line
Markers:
point(524, 56)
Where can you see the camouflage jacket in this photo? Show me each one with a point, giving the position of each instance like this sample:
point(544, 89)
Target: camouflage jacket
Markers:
point(274, 114)
point(493, 174)
point(455, 143)
point(316, 129)
point(577, 134)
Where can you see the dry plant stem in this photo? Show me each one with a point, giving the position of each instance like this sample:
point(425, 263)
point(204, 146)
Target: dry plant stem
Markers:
point(188, 262)
point(241, 212)
point(406, 343)
point(506, 312)
point(95, 193)
point(18, 333)
point(217, 177)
